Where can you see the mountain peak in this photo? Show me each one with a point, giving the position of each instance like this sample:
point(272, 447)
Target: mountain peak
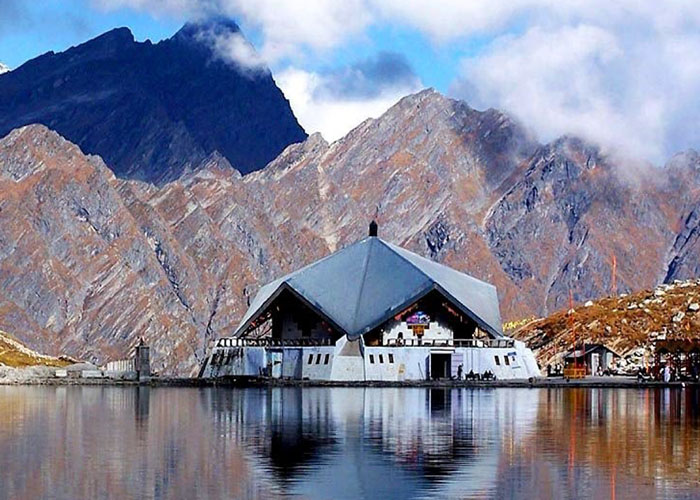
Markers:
point(112, 39)
point(684, 163)
point(194, 30)
point(427, 94)
point(153, 111)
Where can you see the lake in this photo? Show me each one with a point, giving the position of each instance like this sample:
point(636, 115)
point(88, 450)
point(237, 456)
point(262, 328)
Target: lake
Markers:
point(130, 442)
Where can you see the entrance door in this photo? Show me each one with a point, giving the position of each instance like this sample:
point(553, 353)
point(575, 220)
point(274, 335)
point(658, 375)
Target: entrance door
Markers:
point(440, 365)
point(274, 362)
point(595, 363)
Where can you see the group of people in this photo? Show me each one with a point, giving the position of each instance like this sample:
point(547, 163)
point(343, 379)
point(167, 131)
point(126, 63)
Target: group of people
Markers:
point(556, 370)
point(487, 375)
point(668, 373)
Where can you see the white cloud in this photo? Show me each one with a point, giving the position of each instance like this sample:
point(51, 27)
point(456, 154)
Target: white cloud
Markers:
point(333, 115)
point(234, 48)
point(612, 87)
point(623, 72)
point(288, 27)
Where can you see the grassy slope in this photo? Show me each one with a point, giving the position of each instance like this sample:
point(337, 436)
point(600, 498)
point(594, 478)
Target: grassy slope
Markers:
point(15, 354)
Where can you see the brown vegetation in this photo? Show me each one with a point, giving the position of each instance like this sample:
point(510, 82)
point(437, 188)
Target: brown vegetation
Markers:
point(623, 323)
point(16, 355)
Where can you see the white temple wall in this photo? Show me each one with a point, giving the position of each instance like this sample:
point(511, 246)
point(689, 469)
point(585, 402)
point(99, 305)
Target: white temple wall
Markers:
point(348, 360)
point(315, 363)
point(372, 363)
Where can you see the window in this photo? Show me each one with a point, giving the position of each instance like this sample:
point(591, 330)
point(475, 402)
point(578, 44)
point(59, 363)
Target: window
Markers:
point(318, 358)
point(311, 358)
point(371, 358)
point(381, 359)
point(506, 358)
point(391, 358)
point(328, 357)
point(498, 361)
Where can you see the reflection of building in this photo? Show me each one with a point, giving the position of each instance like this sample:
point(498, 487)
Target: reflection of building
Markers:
point(373, 442)
point(372, 311)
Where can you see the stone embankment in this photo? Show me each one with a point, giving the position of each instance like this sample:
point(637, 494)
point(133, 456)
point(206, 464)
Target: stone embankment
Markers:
point(44, 378)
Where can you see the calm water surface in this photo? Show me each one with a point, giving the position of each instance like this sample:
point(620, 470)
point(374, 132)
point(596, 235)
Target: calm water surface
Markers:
point(93, 442)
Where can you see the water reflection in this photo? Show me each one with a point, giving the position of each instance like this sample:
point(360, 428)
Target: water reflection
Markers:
point(94, 442)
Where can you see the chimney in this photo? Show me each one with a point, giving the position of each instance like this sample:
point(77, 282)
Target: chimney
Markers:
point(373, 229)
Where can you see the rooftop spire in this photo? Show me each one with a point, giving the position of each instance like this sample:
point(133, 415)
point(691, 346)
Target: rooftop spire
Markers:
point(373, 228)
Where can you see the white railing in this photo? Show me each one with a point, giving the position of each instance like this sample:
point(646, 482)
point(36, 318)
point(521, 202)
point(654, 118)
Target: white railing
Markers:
point(449, 343)
point(122, 365)
point(268, 342)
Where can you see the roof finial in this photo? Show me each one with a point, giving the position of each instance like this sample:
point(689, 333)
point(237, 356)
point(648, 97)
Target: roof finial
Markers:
point(373, 228)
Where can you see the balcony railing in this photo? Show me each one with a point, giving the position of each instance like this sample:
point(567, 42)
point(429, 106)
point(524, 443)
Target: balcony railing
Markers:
point(447, 343)
point(268, 342)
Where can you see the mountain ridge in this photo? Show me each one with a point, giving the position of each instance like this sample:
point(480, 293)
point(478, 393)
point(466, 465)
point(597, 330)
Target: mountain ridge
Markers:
point(178, 264)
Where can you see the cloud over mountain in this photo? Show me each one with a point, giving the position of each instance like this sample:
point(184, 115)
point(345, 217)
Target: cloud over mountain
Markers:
point(369, 78)
point(623, 73)
point(337, 100)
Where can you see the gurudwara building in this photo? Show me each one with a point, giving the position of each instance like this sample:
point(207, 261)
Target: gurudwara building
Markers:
point(372, 312)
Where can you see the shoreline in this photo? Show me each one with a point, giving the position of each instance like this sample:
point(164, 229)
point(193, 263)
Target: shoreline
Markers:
point(543, 383)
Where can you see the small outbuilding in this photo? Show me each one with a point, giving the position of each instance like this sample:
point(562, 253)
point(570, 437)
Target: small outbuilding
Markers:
point(597, 358)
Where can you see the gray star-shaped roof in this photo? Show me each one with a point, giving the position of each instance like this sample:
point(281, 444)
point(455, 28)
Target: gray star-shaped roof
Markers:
point(363, 285)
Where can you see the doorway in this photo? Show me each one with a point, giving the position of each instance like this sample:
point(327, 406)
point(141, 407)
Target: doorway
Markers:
point(274, 364)
point(440, 365)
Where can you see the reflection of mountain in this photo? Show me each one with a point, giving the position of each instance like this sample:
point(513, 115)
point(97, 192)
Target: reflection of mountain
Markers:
point(92, 442)
point(608, 443)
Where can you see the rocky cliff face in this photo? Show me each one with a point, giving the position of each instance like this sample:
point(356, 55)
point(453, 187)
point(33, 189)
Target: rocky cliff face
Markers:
point(153, 112)
point(684, 188)
point(91, 262)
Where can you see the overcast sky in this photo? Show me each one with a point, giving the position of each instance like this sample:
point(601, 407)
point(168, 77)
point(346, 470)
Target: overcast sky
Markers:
point(623, 73)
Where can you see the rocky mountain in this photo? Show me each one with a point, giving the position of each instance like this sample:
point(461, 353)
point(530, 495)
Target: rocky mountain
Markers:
point(4, 69)
point(154, 111)
point(684, 189)
point(91, 262)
